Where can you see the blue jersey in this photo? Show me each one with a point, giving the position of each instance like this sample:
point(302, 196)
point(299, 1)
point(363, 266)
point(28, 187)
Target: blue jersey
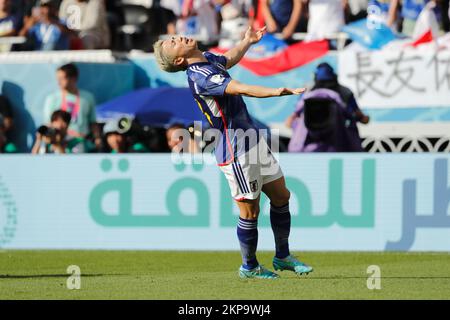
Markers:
point(383, 5)
point(227, 113)
point(281, 11)
point(48, 37)
point(8, 24)
point(412, 8)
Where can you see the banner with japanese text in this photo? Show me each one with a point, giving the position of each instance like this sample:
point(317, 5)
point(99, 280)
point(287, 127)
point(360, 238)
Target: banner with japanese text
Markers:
point(397, 78)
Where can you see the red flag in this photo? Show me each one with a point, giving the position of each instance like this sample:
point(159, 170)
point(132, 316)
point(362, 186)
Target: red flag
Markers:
point(426, 28)
point(425, 38)
point(294, 56)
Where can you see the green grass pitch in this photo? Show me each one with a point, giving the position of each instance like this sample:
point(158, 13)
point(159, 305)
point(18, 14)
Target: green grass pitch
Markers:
point(213, 275)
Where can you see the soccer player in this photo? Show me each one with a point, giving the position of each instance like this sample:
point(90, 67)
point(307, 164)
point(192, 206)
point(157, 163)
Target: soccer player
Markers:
point(242, 153)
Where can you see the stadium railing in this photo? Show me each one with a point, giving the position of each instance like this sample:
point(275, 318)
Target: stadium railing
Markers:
point(382, 137)
point(6, 43)
point(95, 56)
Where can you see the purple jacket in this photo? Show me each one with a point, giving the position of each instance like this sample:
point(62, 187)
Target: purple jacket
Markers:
point(343, 139)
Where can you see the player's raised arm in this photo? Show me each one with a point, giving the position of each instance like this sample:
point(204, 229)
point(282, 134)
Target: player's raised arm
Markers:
point(235, 55)
point(236, 88)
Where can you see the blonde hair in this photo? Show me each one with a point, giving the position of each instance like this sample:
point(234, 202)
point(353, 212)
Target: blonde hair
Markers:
point(165, 62)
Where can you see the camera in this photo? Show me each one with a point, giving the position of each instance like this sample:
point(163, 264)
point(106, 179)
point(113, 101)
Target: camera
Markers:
point(47, 131)
point(124, 125)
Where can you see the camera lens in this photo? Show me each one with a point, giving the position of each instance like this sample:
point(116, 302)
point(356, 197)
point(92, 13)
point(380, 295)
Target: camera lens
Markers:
point(124, 125)
point(43, 130)
point(52, 132)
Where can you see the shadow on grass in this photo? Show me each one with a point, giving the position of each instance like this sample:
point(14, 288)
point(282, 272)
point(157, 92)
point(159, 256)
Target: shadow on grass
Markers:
point(35, 276)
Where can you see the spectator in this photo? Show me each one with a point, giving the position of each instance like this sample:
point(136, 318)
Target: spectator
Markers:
point(174, 138)
point(7, 114)
point(115, 18)
point(55, 139)
point(176, 135)
point(5, 146)
point(410, 11)
point(319, 124)
point(9, 23)
point(79, 103)
point(23, 10)
point(44, 30)
point(358, 9)
point(26, 7)
point(445, 4)
point(326, 78)
point(326, 17)
point(89, 19)
point(284, 16)
point(381, 11)
point(168, 12)
point(200, 18)
point(235, 17)
point(234, 9)
point(117, 140)
point(6, 126)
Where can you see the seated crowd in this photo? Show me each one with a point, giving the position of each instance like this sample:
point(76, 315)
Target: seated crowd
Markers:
point(126, 25)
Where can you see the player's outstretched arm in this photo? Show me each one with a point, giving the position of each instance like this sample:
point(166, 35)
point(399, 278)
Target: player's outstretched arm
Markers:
point(236, 88)
point(235, 55)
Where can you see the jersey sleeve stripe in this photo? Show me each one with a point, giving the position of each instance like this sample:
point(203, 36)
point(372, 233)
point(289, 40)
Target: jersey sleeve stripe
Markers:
point(194, 69)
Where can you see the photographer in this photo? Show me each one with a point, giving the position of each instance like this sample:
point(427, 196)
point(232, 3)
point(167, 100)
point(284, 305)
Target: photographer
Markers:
point(174, 136)
point(79, 103)
point(7, 112)
point(6, 126)
point(343, 134)
point(54, 138)
point(5, 146)
point(120, 137)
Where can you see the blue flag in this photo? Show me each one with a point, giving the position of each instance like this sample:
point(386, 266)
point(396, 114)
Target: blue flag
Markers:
point(371, 34)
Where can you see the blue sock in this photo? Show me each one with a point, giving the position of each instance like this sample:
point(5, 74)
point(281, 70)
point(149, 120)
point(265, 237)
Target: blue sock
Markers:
point(280, 219)
point(247, 232)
